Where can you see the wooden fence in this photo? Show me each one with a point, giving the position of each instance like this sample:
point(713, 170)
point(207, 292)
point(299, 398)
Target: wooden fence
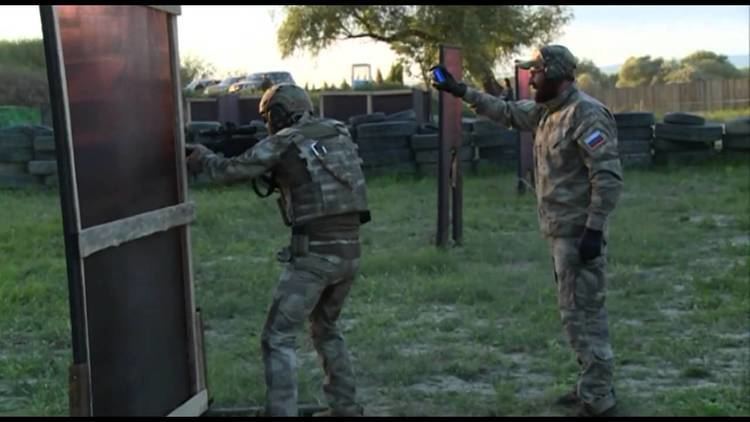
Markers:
point(698, 96)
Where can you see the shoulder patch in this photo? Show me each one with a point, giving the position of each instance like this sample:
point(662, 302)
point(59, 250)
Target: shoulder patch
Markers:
point(595, 140)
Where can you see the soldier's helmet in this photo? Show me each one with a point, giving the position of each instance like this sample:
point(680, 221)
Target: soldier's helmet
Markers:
point(288, 99)
point(556, 60)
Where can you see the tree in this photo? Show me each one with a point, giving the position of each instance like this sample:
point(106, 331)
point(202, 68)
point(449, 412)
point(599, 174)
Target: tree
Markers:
point(306, 87)
point(590, 77)
point(378, 77)
point(639, 71)
point(488, 36)
point(193, 67)
point(344, 85)
point(25, 53)
point(703, 65)
point(396, 74)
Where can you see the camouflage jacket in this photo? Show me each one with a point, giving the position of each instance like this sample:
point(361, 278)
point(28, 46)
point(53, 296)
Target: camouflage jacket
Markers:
point(577, 168)
point(327, 181)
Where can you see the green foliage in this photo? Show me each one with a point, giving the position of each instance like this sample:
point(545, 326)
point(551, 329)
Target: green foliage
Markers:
point(23, 77)
point(488, 35)
point(396, 74)
point(590, 77)
point(638, 71)
point(344, 85)
point(192, 67)
point(378, 77)
point(698, 66)
point(26, 54)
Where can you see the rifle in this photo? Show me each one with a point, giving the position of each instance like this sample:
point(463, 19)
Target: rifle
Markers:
point(230, 139)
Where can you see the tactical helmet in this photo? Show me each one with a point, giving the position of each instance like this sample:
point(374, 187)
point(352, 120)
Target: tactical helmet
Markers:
point(284, 104)
point(557, 61)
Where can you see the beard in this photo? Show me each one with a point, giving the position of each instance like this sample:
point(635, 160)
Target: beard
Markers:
point(547, 90)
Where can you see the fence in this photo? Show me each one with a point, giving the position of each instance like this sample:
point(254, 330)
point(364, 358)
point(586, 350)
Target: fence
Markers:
point(338, 105)
point(698, 96)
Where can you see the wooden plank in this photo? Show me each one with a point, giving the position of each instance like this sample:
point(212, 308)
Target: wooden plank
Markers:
point(60, 107)
point(79, 390)
point(195, 406)
point(195, 350)
point(103, 236)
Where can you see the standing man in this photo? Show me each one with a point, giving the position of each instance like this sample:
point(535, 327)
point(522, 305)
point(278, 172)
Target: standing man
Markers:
point(315, 165)
point(578, 183)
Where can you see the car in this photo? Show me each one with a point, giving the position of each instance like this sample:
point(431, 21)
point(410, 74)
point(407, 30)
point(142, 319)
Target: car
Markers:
point(223, 86)
point(198, 85)
point(254, 81)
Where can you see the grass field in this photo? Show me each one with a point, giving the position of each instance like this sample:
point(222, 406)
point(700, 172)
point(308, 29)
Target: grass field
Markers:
point(472, 330)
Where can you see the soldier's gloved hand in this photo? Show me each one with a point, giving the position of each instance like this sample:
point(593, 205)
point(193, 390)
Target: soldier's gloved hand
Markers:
point(194, 161)
point(458, 89)
point(590, 244)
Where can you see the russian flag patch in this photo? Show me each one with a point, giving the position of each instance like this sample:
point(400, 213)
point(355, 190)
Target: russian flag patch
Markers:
point(595, 140)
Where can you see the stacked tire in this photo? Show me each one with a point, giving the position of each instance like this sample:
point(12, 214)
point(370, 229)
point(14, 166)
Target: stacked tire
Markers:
point(27, 157)
point(426, 148)
point(736, 139)
point(685, 138)
point(495, 145)
point(360, 119)
point(635, 132)
point(385, 145)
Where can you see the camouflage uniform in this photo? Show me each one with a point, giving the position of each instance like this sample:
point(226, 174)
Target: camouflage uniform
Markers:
point(317, 168)
point(578, 183)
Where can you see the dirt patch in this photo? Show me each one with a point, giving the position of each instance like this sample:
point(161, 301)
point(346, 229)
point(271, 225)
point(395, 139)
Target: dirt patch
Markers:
point(230, 259)
point(451, 384)
point(631, 322)
point(739, 241)
point(720, 220)
point(673, 313)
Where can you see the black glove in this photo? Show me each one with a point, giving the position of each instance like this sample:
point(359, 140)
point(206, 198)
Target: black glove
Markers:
point(458, 89)
point(590, 245)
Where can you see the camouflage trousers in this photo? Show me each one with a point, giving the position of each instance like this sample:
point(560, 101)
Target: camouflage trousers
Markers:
point(311, 287)
point(581, 294)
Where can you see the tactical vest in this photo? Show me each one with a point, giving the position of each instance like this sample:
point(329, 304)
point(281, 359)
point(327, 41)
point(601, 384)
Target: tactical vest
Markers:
point(332, 182)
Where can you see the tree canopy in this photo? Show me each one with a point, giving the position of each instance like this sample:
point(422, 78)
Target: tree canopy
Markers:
point(489, 35)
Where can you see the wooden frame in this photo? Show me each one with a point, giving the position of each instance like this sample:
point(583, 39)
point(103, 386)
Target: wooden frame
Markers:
point(450, 177)
point(82, 243)
point(97, 238)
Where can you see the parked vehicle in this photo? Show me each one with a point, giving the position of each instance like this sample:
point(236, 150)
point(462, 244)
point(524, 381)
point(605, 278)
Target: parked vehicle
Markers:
point(223, 86)
point(198, 85)
point(254, 81)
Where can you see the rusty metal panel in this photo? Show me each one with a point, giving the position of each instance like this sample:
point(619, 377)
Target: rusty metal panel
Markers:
point(115, 107)
point(248, 107)
point(341, 107)
point(392, 103)
point(450, 178)
point(525, 139)
point(203, 111)
point(229, 109)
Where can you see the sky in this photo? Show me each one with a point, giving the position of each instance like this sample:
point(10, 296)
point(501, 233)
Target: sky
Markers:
point(242, 39)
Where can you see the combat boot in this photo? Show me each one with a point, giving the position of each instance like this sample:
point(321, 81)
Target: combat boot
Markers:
point(584, 410)
point(569, 399)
